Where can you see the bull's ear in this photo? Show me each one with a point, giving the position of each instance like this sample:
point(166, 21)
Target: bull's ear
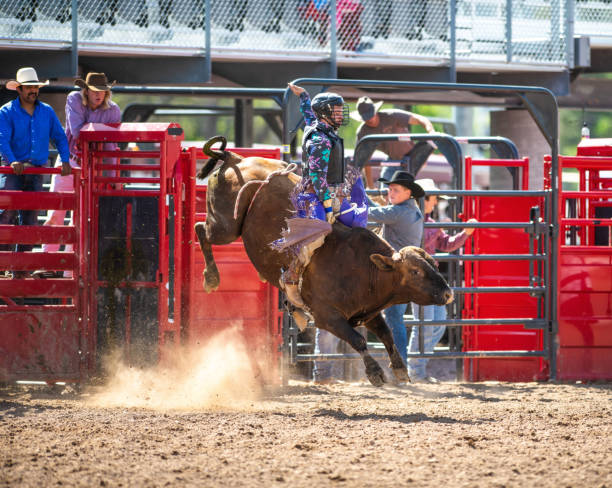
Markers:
point(384, 263)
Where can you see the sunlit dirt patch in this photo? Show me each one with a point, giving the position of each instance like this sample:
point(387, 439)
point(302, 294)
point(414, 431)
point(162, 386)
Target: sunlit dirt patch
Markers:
point(217, 374)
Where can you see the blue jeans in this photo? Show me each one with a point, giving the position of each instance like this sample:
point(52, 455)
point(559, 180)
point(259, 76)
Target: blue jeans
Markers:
point(394, 316)
point(327, 343)
point(416, 159)
point(24, 217)
point(431, 335)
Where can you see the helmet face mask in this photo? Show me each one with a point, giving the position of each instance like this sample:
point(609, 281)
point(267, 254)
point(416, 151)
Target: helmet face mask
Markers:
point(323, 106)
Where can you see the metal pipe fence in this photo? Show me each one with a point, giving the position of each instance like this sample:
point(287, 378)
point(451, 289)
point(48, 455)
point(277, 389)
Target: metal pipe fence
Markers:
point(537, 275)
point(543, 108)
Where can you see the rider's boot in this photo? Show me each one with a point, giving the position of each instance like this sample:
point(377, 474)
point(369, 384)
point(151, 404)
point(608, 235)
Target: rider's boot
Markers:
point(290, 284)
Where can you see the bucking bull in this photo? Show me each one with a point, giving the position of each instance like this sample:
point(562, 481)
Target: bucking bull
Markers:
point(350, 279)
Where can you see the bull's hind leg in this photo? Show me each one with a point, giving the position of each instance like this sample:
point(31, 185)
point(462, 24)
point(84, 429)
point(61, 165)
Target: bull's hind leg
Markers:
point(211, 273)
point(339, 326)
point(378, 326)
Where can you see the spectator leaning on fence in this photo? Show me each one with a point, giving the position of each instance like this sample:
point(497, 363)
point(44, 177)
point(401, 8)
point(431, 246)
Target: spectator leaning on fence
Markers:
point(26, 126)
point(402, 226)
point(91, 104)
point(435, 239)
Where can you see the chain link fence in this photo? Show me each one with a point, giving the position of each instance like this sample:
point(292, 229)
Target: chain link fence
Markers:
point(526, 31)
point(510, 31)
point(593, 18)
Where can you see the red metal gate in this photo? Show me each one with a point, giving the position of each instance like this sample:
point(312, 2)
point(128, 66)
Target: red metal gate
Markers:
point(133, 217)
point(43, 332)
point(585, 265)
point(136, 264)
point(501, 274)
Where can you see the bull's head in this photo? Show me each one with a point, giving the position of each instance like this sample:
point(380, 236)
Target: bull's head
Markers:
point(416, 276)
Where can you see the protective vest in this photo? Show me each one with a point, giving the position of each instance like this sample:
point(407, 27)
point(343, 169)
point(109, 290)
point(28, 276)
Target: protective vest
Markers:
point(337, 167)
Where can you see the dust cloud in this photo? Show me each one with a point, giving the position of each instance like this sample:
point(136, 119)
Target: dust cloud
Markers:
point(218, 374)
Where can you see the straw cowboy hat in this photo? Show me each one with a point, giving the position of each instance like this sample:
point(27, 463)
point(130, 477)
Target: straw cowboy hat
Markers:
point(95, 82)
point(429, 185)
point(25, 76)
point(405, 179)
point(366, 109)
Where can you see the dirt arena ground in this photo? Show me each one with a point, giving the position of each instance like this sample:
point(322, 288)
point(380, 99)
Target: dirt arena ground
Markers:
point(160, 429)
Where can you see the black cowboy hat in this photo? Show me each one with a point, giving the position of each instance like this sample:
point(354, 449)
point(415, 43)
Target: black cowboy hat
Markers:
point(366, 109)
point(405, 179)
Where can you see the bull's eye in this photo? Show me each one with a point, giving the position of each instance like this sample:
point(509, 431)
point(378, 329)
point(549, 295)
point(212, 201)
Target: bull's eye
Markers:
point(415, 272)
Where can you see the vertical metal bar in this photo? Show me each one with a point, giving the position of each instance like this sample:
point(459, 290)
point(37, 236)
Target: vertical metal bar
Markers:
point(190, 239)
point(508, 31)
point(239, 122)
point(569, 33)
point(128, 245)
point(555, 29)
point(286, 155)
point(74, 61)
point(453, 42)
point(76, 268)
point(207, 41)
point(535, 217)
point(333, 55)
point(162, 257)
point(93, 257)
point(550, 266)
point(179, 240)
point(421, 327)
point(554, 243)
point(455, 271)
point(525, 173)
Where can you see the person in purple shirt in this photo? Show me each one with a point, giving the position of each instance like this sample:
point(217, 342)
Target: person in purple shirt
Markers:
point(26, 127)
point(434, 239)
point(91, 104)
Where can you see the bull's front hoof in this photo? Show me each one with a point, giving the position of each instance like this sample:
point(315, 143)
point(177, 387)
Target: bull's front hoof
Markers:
point(211, 280)
point(401, 375)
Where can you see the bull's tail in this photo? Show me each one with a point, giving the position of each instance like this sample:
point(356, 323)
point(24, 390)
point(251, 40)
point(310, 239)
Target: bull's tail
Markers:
point(213, 154)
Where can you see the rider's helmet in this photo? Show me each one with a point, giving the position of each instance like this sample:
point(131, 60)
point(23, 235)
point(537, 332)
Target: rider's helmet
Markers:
point(322, 105)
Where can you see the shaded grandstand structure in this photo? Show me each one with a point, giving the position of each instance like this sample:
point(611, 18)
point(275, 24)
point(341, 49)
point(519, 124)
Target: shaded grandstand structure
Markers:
point(264, 43)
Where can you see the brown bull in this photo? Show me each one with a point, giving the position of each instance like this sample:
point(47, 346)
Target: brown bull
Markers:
point(351, 278)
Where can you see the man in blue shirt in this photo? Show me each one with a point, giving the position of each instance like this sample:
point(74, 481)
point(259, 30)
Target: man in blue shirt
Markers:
point(26, 127)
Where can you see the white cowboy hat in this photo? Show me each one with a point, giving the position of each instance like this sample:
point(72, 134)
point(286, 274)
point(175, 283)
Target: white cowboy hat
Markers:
point(25, 76)
point(429, 185)
point(366, 109)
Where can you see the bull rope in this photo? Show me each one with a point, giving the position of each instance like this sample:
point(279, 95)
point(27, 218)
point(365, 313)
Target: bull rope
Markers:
point(289, 169)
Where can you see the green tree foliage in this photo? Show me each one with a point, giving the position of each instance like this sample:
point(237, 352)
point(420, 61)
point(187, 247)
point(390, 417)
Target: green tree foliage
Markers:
point(570, 126)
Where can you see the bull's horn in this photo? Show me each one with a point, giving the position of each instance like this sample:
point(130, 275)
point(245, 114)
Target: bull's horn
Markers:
point(207, 149)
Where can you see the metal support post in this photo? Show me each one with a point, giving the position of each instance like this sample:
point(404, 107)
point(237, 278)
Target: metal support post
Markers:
point(333, 36)
point(207, 40)
point(74, 64)
point(508, 31)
